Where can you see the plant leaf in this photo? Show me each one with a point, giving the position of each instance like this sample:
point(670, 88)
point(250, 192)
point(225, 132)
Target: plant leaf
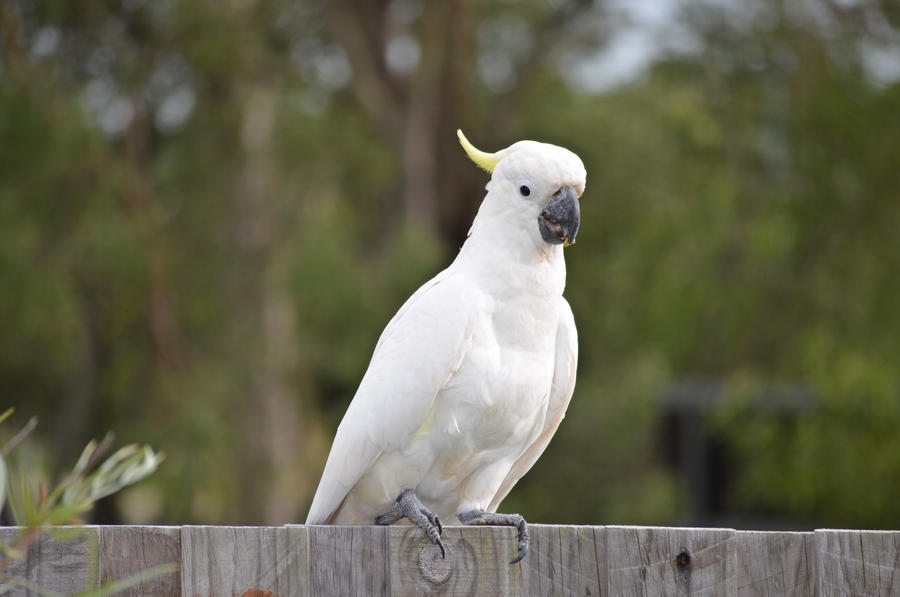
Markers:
point(3, 480)
point(131, 581)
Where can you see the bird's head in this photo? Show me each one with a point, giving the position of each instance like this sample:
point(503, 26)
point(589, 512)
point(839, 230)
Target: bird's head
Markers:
point(537, 185)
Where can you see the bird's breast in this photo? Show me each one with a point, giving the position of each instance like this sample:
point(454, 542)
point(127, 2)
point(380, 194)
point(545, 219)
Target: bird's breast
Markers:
point(494, 406)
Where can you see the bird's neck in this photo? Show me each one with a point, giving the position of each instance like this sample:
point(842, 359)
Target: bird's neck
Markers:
point(507, 258)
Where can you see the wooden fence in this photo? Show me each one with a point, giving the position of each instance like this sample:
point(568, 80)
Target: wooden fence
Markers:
point(564, 560)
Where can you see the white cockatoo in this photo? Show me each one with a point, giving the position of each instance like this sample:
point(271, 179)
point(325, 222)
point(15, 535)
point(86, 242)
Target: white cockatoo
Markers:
point(472, 376)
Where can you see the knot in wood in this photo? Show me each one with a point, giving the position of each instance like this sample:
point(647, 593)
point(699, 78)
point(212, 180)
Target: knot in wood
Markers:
point(435, 569)
point(683, 560)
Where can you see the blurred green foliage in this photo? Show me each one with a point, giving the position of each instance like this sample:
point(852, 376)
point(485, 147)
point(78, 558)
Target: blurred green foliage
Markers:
point(37, 506)
point(206, 220)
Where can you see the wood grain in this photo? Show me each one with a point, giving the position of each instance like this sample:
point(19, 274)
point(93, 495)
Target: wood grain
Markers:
point(399, 560)
point(477, 561)
point(128, 550)
point(857, 562)
point(659, 561)
point(774, 564)
point(244, 560)
point(64, 560)
point(564, 560)
point(347, 560)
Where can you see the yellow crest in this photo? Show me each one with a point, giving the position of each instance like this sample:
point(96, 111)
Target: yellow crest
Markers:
point(488, 161)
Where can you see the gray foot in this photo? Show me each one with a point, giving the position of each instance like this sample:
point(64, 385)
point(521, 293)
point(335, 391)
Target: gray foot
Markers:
point(492, 518)
point(410, 506)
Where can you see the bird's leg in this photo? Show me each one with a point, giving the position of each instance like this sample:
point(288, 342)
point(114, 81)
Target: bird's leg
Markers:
point(492, 518)
point(410, 506)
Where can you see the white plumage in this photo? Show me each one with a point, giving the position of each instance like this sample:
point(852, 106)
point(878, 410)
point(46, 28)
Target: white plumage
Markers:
point(472, 376)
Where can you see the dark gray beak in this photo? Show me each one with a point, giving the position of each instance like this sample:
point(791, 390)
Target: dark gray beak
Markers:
point(560, 218)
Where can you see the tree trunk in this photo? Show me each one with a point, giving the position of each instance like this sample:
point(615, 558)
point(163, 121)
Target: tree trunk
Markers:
point(270, 426)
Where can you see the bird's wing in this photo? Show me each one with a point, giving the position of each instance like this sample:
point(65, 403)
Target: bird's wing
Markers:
point(560, 394)
point(417, 354)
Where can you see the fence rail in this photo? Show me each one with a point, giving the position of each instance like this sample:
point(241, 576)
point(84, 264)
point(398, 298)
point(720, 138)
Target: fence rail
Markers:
point(397, 560)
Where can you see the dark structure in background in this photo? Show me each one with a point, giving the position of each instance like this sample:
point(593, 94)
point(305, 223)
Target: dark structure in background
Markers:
point(699, 454)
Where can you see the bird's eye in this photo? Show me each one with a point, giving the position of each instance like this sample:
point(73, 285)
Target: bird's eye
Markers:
point(525, 188)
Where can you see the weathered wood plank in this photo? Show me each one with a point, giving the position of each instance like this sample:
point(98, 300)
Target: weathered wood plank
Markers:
point(564, 560)
point(398, 560)
point(667, 561)
point(244, 560)
point(773, 564)
point(349, 560)
point(292, 542)
point(65, 560)
point(857, 562)
point(477, 562)
point(129, 550)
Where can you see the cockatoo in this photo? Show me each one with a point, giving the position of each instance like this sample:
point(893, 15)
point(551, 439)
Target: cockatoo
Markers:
point(472, 376)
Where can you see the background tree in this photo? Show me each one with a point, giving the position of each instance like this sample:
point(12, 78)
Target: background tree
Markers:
point(209, 211)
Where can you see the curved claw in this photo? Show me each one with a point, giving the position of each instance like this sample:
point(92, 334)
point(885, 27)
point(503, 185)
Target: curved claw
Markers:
point(523, 541)
point(492, 518)
point(437, 523)
point(434, 531)
point(523, 550)
point(433, 519)
point(410, 506)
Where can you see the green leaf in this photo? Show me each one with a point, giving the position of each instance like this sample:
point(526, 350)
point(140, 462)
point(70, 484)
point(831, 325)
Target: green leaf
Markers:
point(128, 465)
point(3, 482)
point(126, 583)
point(85, 458)
point(10, 552)
point(30, 587)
